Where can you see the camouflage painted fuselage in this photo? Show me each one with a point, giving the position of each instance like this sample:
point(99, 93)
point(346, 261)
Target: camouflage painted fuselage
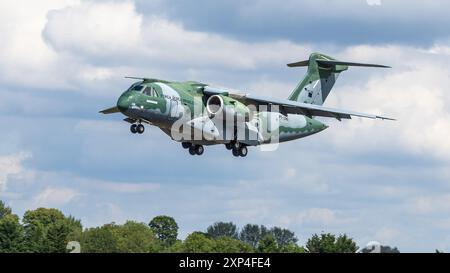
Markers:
point(197, 114)
point(170, 104)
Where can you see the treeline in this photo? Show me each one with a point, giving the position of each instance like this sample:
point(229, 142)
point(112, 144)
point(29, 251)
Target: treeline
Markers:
point(49, 231)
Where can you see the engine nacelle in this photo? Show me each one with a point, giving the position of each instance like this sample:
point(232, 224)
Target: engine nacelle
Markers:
point(226, 106)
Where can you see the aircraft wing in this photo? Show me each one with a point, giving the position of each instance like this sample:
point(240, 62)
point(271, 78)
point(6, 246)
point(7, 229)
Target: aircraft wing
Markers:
point(293, 107)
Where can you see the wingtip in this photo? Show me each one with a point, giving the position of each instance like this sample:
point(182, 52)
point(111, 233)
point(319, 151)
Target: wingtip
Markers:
point(386, 118)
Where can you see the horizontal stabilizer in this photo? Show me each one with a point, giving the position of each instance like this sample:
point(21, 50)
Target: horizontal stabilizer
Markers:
point(299, 64)
point(333, 62)
point(111, 110)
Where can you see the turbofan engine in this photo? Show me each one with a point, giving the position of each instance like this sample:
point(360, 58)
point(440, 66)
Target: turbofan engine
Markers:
point(223, 105)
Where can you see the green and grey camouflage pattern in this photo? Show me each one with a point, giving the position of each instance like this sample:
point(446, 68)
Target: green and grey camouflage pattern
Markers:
point(197, 114)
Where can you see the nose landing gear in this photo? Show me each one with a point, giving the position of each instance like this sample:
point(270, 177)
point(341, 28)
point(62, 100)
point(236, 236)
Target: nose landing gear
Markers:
point(140, 129)
point(133, 128)
point(137, 128)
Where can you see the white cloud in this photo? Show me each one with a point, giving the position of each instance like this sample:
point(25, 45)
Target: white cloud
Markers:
point(414, 91)
point(109, 28)
point(95, 28)
point(11, 166)
point(24, 57)
point(74, 45)
point(54, 197)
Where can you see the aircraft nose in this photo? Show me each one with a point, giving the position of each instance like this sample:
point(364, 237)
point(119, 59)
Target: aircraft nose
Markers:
point(123, 102)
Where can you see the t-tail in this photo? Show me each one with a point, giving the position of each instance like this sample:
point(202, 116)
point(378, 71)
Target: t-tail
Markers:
point(320, 78)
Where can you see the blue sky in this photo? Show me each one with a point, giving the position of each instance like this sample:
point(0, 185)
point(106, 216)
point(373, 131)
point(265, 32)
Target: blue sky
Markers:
point(63, 60)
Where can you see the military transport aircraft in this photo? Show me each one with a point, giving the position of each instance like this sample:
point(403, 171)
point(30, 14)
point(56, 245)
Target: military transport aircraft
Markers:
point(197, 114)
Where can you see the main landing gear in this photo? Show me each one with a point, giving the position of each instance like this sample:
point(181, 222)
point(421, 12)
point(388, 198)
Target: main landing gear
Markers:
point(137, 128)
point(237, 149)
point(194, 149)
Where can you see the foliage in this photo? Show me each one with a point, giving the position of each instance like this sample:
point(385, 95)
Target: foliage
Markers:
point(197, 242)
point(292, 248)
point(231, 245)
point(4, 210)
point(283, 236)
point(137, 237)
point(165, 228)
point(328, 243)
point(268, 244)
point(252, 234)
point(11, 234)
point(48, 230)
point(222, 229)
point(131, 237)
point(102, 239)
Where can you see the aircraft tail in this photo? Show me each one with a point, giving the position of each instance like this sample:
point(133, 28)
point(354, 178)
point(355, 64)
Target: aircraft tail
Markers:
point(320, 78)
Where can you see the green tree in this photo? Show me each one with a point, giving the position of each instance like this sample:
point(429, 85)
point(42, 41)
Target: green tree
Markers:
point(328, 243)
point(283, 236)
point(132, 237)
point(197, 242)
point(165, 228)
point(48, 230)
point(221, 229)
point(268, 244)
point(176, 247)
point(345, 244)
point(227, 244)
point(11, 234)
point(292, 248)
point(137, 238)
point(4, 210)
point(102, 239)
point(252, 234)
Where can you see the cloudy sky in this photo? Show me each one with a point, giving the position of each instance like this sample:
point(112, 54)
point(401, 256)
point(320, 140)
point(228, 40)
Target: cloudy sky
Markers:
point(63, 60)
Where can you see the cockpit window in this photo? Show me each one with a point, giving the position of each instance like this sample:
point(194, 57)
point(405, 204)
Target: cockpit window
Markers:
point(137, 88)
point(150, 91)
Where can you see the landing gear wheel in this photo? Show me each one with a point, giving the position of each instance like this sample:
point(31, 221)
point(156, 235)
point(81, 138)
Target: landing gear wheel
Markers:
point(199, 149)
point(235, 145)
point(228, 146)
point(140, 129)
point(243, 151)
point(186, 145)
point(133, 128)
point(192, 150)
point(235, 152)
